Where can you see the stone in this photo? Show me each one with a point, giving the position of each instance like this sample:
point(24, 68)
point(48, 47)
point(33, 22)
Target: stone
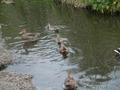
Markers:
point(5, 57)
point(14, 81)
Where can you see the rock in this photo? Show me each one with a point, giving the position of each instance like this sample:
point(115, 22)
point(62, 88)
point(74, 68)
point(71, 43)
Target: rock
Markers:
point(13, 81)
point(5, 57)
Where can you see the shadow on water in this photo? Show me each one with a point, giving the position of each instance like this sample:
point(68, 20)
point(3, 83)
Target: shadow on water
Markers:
point(92, 41)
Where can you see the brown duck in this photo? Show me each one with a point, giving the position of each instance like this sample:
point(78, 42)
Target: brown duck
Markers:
point(29, 37)
point(63, 50)
point(52, 28)
point(58, 40)
point(70, 83)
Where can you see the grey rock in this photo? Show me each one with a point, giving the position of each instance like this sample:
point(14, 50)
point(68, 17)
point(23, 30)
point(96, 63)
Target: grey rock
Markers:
point(5, 57)
point(13, 81)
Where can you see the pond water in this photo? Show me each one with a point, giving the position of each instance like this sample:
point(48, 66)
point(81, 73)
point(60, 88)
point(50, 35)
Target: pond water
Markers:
point(92, 39)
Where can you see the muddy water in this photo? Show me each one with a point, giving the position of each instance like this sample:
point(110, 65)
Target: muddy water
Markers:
point(92, 39)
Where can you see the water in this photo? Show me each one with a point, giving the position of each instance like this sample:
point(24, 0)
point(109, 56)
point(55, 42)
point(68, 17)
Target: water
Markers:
point(92, 39)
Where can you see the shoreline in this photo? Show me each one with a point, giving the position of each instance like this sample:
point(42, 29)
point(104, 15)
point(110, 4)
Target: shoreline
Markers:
point(12, 80)
point(81, 4)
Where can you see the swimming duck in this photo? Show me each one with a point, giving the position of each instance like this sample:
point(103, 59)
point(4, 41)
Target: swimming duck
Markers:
point(70, 83)
point(8, 1)
point(29, 39)
point(60, 40)
point(29, 36)
point(63, 50)
point(52, 28)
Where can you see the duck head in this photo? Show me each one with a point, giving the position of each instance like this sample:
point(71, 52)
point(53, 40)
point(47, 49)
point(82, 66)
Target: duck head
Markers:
point(59, 43)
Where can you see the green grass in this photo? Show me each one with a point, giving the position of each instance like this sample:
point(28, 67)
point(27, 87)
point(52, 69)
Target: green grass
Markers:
point(105, 5)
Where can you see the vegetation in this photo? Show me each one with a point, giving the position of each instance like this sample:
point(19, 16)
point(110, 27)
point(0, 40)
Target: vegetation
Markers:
point(105, 5)
point(98, 5)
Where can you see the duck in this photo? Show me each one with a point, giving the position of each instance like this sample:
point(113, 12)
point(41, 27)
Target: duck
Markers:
point(52, 28)
point(70, 83)
point(63, 50)
point(8, 1)
point(29, 39)
point(60, 39)
point(27, 36)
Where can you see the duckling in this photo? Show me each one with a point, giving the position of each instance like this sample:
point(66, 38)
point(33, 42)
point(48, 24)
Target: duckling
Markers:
point(70, 83)
point(52, 28)
point(29, 36)
point(8, 1)
point(63, 50)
